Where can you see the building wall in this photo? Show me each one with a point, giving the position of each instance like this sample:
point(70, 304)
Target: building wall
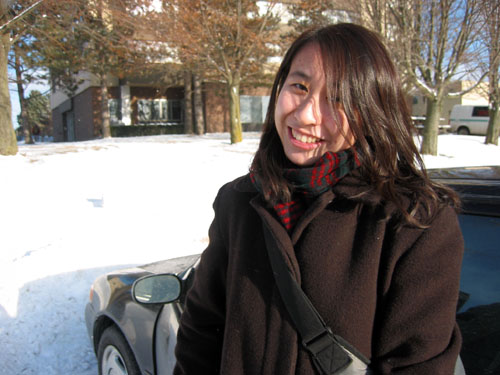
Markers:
point(216, 107)
point(58, 96)
point(85, 110)
point(57, 124)
point(88, 123)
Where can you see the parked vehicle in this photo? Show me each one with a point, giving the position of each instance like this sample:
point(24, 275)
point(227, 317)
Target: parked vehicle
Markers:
point(132, 316)
point(468, 119)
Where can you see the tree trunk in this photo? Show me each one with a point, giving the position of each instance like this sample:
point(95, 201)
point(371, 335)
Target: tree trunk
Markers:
point(431, 126)
point(28, 139)
point(234, 111)
point(188, 102)
point(8, 142)
point(198, 106)
point(493, 124)
point(106, 128)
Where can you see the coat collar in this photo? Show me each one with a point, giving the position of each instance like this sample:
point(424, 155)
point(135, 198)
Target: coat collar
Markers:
point(318, 205)
point(351, 187)
point(244, 184)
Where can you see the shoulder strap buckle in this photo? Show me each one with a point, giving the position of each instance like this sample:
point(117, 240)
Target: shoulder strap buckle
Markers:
point(327, 353)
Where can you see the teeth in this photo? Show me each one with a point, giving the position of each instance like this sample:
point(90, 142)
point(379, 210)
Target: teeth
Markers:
point(304, 138)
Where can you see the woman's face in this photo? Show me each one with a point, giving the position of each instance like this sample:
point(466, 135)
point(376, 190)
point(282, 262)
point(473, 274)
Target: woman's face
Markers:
point(304, 119)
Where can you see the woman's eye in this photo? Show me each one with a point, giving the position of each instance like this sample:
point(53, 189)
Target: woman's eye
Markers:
point(299, 86)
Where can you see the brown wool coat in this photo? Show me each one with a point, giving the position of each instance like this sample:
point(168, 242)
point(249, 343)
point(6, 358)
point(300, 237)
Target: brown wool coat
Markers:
point(392, 294)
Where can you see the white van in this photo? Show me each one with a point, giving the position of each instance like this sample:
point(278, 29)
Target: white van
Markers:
point(469, 119)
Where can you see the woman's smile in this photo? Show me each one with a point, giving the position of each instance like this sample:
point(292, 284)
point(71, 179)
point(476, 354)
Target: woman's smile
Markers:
point(302, 140)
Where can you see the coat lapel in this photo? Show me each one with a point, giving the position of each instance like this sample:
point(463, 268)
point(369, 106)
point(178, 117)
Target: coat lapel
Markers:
point(318, 205)
point(284, 241)
point(279, 233)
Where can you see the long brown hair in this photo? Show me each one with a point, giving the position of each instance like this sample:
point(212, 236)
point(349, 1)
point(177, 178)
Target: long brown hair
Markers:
point(361, 76)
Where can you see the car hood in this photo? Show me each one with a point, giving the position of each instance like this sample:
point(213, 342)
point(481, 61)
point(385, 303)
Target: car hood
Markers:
point(478, 187)
point(483, 173)
point(175, 265)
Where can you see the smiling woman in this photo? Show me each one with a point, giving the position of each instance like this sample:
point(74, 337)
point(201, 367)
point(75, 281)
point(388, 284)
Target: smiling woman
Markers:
point(337, 189)
point(307, 122)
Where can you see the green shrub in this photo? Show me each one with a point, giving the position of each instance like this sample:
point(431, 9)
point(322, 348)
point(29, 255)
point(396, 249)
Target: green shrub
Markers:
point(142, 130)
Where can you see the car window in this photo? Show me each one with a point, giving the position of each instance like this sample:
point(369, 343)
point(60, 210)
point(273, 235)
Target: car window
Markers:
point(480, 112)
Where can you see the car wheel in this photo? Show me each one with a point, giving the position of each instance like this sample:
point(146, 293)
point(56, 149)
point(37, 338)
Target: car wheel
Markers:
point(463, 130)
point(114, 355)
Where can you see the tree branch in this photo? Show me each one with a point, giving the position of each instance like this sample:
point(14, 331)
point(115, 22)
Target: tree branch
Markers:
point(21, 15)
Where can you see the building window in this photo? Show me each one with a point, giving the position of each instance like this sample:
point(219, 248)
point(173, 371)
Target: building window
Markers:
point(253, 108)
point(175, 110)
point(115, 113)
point(159, 111)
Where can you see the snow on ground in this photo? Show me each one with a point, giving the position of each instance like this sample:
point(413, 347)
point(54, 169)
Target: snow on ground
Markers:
point(72, 211)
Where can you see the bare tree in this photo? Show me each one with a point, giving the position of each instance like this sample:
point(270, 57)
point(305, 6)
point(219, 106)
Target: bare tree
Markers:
point(188, 102)
point(491, 12)
point(222, 41)
point(313, 13)
point(377, 16)
point(199, 119)
point(438, 47)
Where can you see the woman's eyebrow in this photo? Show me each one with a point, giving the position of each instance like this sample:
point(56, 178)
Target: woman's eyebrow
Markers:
point(299, 74)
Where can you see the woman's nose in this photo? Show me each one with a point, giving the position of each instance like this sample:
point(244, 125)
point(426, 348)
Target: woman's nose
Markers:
point(308, 112)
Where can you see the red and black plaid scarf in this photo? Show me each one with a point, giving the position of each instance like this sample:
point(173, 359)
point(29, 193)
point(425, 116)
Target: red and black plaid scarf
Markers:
point(311, 181)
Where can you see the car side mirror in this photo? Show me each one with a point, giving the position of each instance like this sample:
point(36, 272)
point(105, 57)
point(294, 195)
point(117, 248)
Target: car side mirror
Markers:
point(159, 288)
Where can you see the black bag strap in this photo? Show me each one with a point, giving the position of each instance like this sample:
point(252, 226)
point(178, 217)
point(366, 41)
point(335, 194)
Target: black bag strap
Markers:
point(317, 338)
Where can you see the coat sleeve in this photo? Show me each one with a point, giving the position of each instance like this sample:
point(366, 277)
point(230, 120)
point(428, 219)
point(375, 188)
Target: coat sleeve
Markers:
point(416, 325)
point(201, 329)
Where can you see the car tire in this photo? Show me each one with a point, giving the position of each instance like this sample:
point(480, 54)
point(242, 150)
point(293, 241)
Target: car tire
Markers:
point(463, 130)
point(114, 356)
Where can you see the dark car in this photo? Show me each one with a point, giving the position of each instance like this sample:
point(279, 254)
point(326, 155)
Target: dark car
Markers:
point(479, 317)
point(132, 316)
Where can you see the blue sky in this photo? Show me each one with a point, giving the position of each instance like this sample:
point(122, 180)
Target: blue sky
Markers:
point(14, 101)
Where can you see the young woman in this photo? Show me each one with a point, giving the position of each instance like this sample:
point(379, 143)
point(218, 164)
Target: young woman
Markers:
point(374, 244)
